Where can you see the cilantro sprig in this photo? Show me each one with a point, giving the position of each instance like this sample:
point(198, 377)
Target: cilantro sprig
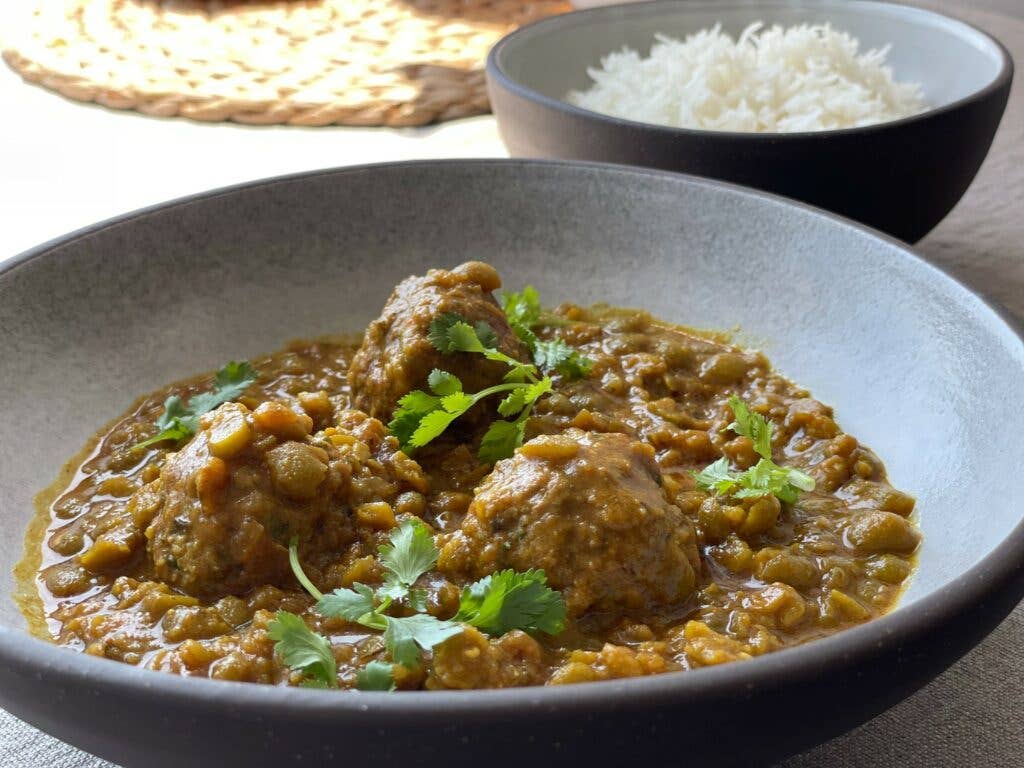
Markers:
point(524, 313)
point(751, 424)
point(180, 420)
point(507, 600)
point(522, 309)
point(410, 554)
point(303, 649)
point(376, 676)
point(765, 477)
point(423, 416)
point(496, 604)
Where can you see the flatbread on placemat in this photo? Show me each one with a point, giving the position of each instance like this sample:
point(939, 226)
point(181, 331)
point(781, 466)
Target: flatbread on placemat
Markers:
point(298, 62)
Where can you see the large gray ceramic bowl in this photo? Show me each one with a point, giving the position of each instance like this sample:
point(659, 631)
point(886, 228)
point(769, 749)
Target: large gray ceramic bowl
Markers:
point(902, 176)
point(917, 366)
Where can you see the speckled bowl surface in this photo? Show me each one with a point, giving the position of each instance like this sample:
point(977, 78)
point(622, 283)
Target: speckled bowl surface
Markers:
point(916, 366)
point(901, 176)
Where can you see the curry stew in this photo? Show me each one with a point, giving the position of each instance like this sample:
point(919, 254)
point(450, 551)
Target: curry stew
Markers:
point(175, 556)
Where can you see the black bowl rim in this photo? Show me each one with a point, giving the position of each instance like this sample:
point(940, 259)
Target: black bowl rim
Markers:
point(997, 570)
point(497, 74)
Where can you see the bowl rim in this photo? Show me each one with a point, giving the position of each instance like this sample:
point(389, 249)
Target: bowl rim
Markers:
point(1000, 568)
point(497, 73)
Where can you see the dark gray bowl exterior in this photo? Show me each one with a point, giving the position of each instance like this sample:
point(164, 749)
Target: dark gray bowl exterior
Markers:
point(782, 707)
point(902, 177)
point(317, 236)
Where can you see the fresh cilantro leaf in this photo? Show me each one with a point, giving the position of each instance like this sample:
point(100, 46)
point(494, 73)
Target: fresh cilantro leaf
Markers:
point(453, 333)
point(440, 326)
point(524, 396)
point(421, 417)
point(501, 440)
point(419, 401)
point(462, 337)
point(716, 476)
point(410, 412)
point(406, 635)
point(765, 477)
point(376, 676)
point(228, 384)
point(484, 332)
point(410, 554)
point(349, 604)
point(417, 599)
point(513, 403)
point(180, 421)
point(393, 589)
point(442, 383)
point(524, 313)
point(303, 649)
point(177, 432)
point(527, 336)
point(761, 479)
point(175, 413)
point(551, 354)
point(507, 600)
point(457, 403)
point(431, 426)
point(519, 371)
point(801, 480)
point(556, 355)
point(175, 423)
point(523, 308)
point(536, 390)
point(751, 424)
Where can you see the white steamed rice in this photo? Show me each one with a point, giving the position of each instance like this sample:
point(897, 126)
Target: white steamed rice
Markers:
point(802, 78)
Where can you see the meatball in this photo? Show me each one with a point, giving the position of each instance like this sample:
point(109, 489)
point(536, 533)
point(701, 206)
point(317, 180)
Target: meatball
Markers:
point(396, 356)
point(589, 509)
point(219, 518)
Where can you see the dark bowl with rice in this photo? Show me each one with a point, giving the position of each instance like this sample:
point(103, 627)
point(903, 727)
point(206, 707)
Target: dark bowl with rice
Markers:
point(902, 176)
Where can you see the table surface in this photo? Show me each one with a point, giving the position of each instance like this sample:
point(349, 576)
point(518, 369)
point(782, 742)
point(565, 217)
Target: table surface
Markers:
point(64, 165)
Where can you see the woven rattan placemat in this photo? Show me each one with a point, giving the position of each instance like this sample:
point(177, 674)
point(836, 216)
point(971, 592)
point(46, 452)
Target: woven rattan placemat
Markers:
point(299, 62)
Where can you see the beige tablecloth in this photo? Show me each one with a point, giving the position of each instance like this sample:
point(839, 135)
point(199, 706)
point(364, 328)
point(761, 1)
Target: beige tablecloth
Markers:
point(972, 715)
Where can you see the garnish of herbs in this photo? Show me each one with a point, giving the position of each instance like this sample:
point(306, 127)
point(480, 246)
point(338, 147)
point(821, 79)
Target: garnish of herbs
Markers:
point(422, 416)
point(765, 477)
point(496, 604)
